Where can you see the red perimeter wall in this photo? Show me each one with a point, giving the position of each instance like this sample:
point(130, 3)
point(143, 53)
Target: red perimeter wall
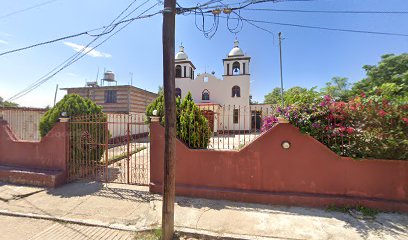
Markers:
point(307, 174)
point(47, 154)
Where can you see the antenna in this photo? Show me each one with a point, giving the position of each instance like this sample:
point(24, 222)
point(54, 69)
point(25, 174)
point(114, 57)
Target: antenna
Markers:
point(131, 79)
point(97, 75)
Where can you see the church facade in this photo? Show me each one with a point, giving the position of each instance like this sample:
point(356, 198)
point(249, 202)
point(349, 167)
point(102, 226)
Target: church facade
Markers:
point(226, 101)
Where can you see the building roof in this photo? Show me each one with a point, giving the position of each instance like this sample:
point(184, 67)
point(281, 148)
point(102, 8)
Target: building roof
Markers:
point(108, 87)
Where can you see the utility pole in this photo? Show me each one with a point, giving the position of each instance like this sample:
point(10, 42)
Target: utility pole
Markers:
point(55, 95)
point(281, 75)
point(169, 185)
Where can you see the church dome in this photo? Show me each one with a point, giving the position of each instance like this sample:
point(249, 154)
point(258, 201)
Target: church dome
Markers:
point(236, 51)
point(181, 55)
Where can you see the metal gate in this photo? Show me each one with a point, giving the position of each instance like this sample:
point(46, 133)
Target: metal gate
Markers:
point(109, 148)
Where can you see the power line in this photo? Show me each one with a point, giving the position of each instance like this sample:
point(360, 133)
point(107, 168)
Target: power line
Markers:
point(246, 3)
point(329, 29)
point(326, 11)
point(45, 78)
point(318, 27)
point(73, 57)
point(71, 60)
point(27, 9)
point(104, 32)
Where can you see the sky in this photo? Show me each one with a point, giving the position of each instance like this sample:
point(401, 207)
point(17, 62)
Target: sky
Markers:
point(310, 57)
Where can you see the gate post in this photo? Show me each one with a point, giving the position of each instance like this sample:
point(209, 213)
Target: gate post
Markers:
point(156, 155)
point(67, 143)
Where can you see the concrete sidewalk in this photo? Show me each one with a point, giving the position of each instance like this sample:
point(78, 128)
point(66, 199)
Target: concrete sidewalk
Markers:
point(134, 208)
point(39, 229)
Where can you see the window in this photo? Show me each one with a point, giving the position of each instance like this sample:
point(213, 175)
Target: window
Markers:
point(228, 69)
point(236, 91)
point(236, 68)
point(236, 116)
point(205, 95)
point(178, 92)
point(243, 68)
point(110, 96)
point(178, 71)
point(191, 73)
point(185, 71)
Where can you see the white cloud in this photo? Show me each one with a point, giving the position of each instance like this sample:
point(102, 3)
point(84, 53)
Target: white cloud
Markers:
point(72, 74)
point(87, 50)
point(3, 42)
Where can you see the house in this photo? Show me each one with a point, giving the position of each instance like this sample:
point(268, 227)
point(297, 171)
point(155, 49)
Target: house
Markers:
point(225, 102)
point(116, 99)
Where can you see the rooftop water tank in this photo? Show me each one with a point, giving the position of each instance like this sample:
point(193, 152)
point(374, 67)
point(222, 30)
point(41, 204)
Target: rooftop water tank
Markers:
point(109, 76)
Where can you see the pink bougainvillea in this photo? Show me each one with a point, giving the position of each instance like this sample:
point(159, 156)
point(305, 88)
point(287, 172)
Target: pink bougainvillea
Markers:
point(362, 127)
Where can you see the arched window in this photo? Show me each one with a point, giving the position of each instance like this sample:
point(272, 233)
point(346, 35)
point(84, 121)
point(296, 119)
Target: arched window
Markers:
point(205, 95)
point(236, 68)
point(178, 92)
point(236, 91)
point(178, 71)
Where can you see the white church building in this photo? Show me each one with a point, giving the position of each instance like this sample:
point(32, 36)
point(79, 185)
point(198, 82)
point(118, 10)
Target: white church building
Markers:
point(226, 101)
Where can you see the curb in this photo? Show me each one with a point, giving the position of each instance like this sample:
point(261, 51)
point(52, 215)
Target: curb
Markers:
point(200, 233)
point(91, 223)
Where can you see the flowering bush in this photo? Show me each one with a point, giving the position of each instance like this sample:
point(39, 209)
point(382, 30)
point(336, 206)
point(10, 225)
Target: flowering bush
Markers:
point(365, 127)
point(268, 122)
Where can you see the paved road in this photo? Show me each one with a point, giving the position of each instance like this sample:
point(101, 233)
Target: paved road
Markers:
point(134, 207)
point(36, 229)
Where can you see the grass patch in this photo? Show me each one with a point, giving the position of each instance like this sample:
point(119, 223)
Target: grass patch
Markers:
point(124, 155)
point(370, 212)
point(145, 236)
point(367, 211)
point(148, 235)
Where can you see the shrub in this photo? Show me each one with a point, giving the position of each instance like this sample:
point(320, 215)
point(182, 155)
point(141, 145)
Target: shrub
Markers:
point(157, 104)
point(192, 126)
point(381, 127)
point(73, 105)
point(85, 138)
point(364, 127)
point(268, 122)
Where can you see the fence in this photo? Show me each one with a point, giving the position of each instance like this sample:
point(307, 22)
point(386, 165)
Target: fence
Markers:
point(24, 122)
point(110, 148)
point(234, 126)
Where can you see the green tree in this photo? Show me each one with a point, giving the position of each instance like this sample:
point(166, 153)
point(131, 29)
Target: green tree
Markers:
point(338, 88)
point(73, 105)
point(273, 97)
point(292, 95)
point(7, 103)
point(391, 69)
point(86, 138)
point(300, 95)
point(192, 126)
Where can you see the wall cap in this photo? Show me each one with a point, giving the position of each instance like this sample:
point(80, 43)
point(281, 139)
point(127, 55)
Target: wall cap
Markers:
point(64, 119)
point(282, 120)
point(154, 119)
